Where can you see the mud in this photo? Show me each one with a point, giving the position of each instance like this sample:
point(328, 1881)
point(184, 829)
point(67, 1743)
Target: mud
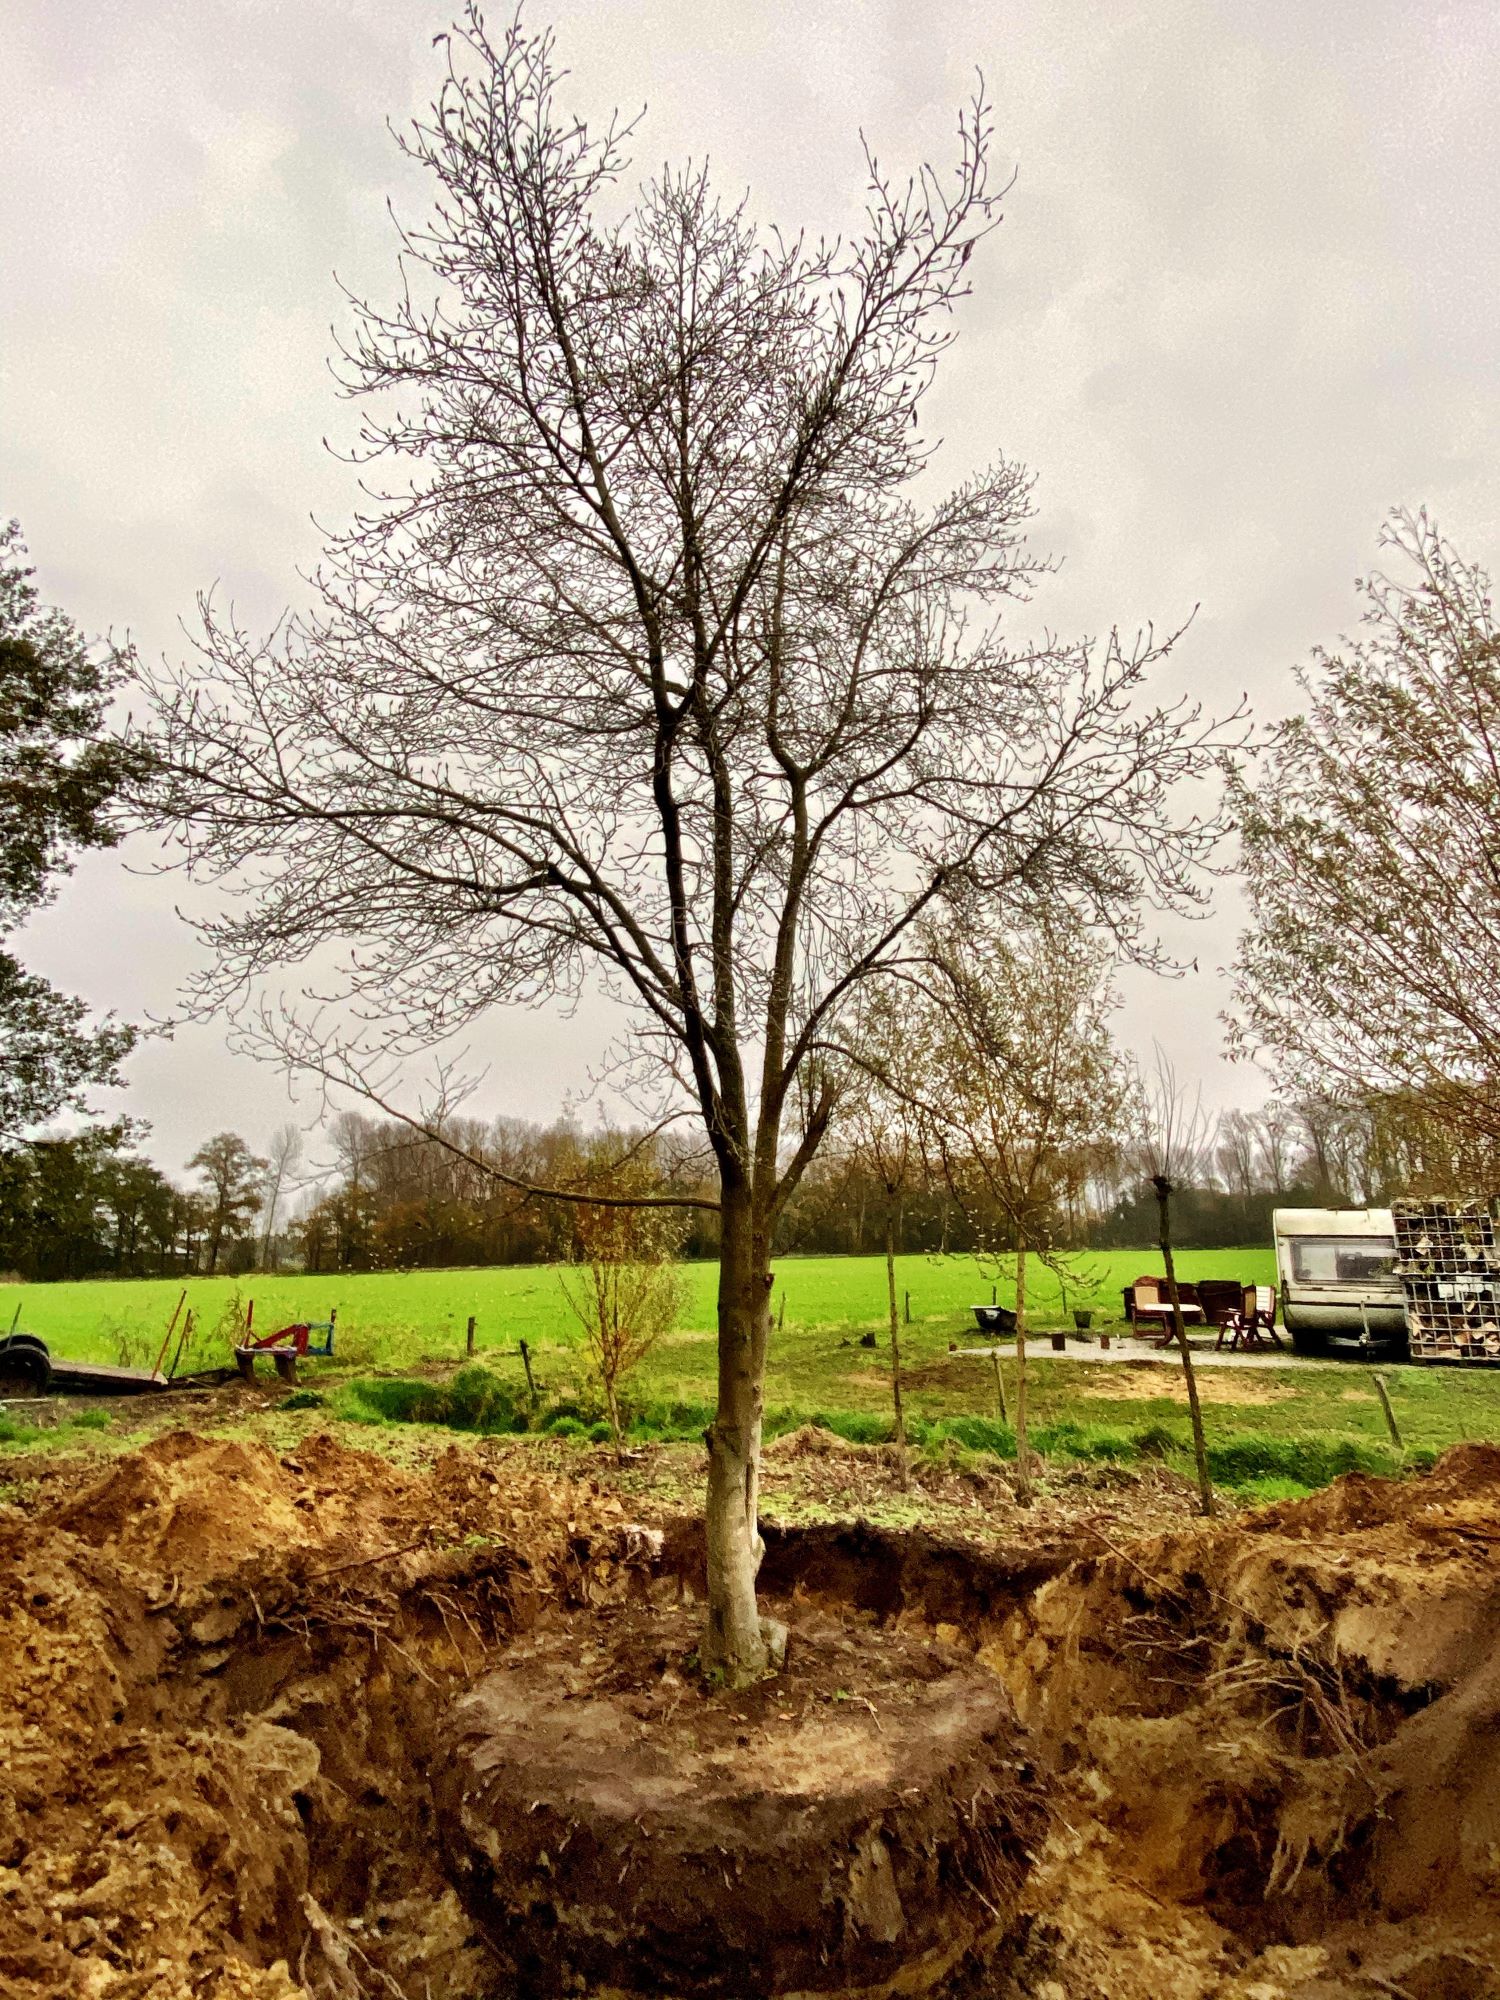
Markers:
point(857, 1824)
point(1261, 1757)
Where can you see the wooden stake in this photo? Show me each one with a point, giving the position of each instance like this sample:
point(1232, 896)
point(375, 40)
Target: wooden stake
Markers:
point(907, 1297)
point(526, 1364)
point(166, 1339)
point(999, 1386)
point(1390, 1414)
point(781, 1315)
point(187, 1328)
point(469, 1338)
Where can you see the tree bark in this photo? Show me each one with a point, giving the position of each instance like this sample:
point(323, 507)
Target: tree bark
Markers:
point(1163, 1189)
point(890, 1285)
point(612, 1409)
point(734, 1644)
point(1023, 1449)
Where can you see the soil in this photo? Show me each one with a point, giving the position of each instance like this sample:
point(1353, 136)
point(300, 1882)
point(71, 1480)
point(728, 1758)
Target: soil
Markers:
point(247, 1696)
point(863, 1817)
point(1150, 1382)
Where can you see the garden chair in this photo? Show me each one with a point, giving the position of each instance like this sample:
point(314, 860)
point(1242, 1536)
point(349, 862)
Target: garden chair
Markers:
point(1254, 1324)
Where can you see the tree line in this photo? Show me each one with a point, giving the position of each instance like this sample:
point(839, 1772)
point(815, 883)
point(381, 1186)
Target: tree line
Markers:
point(369, 1194)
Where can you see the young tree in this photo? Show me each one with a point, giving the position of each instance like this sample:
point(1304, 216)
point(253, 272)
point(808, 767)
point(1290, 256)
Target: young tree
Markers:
point(58, 773)
point(1024, 1076)
point(624, 1288)
point(232, 1178)
point(659, 666)
point(1172, 1141)
point(882, 1134)
point(1371, 849)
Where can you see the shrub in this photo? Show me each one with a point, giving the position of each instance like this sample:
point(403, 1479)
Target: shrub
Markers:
point(980, 1434)
point(475, 1400)
point(479, 1401)
point(670, 1420)
point(1070, 1439)
point(1311, 1461)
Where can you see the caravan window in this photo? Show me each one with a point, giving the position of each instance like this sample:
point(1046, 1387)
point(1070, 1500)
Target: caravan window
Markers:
point(1341, 1260)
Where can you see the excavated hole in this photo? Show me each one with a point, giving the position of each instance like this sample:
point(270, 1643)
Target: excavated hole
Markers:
point(373, 1692)
point(1273, 1736)
point(371, 1684)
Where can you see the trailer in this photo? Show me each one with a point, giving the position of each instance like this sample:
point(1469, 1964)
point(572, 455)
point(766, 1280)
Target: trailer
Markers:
point(29, 1368)
point(1339, 1287)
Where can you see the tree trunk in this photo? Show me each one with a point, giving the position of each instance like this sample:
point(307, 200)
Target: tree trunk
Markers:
point(1195, 1409)
point(890, 1286)
point(612, 1409)
point(733, 1642)
point(1023, 1449)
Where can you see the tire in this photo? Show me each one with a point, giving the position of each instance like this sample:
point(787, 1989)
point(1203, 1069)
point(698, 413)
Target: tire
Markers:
point(25, 1369)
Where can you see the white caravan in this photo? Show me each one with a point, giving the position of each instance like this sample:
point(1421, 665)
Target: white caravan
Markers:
point(1336, 1270)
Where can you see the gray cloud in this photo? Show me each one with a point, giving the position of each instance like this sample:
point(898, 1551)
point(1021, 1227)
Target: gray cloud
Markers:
point(1244, 300)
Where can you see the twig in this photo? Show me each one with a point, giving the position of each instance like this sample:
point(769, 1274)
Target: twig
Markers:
point(359, 1562)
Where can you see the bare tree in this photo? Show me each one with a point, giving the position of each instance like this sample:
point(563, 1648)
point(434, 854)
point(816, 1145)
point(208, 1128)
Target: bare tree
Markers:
point(283, 1157)
point(653, 667)
point(882, 1135)
point(1024, 1077)
point(624, 1287)
point(1371, 848)
point(1277, 1131)
point(1173, 1143)
point(1238, 1153)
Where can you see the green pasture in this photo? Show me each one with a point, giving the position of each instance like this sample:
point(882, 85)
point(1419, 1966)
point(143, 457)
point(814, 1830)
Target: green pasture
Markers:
point(401, 1318)
point(1272, 1431)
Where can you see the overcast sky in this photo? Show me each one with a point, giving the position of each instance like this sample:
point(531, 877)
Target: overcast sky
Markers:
point(1246, 298)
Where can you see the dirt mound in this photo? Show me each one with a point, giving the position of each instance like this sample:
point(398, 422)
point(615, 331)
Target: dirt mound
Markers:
point(1281, 1735)
point(210, 1656)
point(229, 1676)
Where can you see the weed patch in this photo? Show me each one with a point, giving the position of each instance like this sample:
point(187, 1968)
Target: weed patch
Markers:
point(475, 1400)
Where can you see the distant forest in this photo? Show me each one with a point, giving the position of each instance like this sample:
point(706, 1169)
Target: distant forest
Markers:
point(366, 1195)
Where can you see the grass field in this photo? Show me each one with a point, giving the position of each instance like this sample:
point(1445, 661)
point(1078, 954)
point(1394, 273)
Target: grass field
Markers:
point(1273, 1431)
point(396, 1318)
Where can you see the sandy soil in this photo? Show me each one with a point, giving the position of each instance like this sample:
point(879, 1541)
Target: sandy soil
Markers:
point(1264, 1752)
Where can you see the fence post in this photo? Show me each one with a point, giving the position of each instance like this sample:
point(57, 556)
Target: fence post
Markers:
point(1390, 1414)
point(526, 1364)
point(908, 1308)
point(469, 1338)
